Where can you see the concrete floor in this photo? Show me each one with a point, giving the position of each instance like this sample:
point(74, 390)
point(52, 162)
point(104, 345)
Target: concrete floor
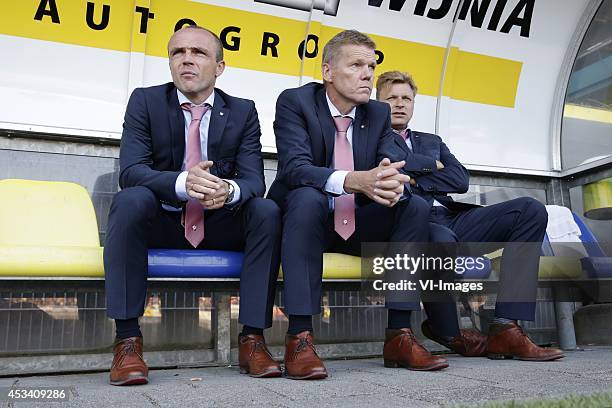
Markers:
point(352, 383)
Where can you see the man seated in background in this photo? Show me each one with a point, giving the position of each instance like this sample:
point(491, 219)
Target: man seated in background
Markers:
point(337, 189)
point(521, 220)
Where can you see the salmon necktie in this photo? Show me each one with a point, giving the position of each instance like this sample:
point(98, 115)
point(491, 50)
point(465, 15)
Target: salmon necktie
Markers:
point(194, 213)
point(344, 205)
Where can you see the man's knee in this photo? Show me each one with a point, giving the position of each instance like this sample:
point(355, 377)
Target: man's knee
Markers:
point(533, 210)
point(440, 233)
point(265, 213)
point(139, 202)
point(418, 208)
point(307, 202)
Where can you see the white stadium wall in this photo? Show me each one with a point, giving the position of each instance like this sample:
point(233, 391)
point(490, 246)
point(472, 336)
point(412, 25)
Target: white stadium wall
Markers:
point(487, 70)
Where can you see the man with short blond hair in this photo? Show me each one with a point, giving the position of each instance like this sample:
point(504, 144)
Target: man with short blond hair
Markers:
point(337, 188)
point(522, 220)
point(394, 77)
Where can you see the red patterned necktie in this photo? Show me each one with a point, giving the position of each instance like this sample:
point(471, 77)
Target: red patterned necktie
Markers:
point(344, 205)
point(194, 213)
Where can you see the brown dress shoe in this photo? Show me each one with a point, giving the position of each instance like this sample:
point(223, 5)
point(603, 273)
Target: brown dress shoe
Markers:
point(128, 366)
point(255, 358)
point(301, 359)
point(403, 350)
point(469, 343)
point(509, 341)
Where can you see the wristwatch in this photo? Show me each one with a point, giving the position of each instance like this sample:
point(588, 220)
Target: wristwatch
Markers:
point(230, 192)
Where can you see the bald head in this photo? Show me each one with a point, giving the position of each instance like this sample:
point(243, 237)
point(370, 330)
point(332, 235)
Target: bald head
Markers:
point(219, 51)
point(196, 60)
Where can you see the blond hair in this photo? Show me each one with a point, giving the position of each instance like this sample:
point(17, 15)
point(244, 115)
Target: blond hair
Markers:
point(347, 37)
point(394, 77)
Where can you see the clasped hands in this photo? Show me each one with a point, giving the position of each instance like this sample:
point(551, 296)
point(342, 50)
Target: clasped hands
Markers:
point(383, 184)
point(210, 190)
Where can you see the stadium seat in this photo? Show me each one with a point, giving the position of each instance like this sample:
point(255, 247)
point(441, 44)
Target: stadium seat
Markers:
point(597, 264)
point(48, 228)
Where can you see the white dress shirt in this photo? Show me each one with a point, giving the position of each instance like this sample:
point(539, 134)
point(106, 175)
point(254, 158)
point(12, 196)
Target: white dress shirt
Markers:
point(179, 185)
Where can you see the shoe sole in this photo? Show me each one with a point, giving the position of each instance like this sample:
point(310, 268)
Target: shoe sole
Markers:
point(266, 374)
point(396, 364)
point(510, 357)
point(314, 376)
point(139, 380)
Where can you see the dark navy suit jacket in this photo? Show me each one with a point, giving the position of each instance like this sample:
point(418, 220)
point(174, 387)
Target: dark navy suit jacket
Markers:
point(436, 184)
point(153, 143)
point(305, 137)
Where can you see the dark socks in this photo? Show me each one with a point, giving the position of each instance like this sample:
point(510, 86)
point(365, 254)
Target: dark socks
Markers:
point(299, 323)
point(398, 319)
point(246, 330)
point(127, 328)
point(442, 319)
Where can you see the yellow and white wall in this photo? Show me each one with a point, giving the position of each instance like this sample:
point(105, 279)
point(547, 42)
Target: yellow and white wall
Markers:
point(488, 70)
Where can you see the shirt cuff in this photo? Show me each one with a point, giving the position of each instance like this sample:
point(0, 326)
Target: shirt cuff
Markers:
point(335, 182)
point(236, 197)
point(180, 188)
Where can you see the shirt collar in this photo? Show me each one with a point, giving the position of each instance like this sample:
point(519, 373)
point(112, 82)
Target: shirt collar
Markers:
point(335, 112)
point(183, 99)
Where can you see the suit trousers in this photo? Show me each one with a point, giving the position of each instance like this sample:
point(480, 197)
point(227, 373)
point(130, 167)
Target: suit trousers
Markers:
point(522, 220)
point(308, 232)
point(138, 222)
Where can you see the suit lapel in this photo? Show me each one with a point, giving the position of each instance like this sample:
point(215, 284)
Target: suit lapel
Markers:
point(218, 119)
point(415, 138)
point(177, 129)
point(328, 129)
point(360, 139)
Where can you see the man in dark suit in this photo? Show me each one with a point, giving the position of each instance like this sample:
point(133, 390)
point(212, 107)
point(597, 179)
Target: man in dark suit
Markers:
point(191, 177)
point(337, 190)
point(522, 220)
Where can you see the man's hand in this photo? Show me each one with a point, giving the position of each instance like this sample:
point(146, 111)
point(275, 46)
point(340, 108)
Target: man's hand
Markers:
point(200, 182)
point(383, 184)
point(218, 199)
point(439, 165)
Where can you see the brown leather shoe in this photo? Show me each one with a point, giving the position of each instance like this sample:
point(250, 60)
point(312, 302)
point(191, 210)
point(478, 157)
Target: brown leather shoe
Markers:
point(255, 358)
point(128, 366)
point(403, 350)
point(301, 359)
point(469, 343)
point(510, 341)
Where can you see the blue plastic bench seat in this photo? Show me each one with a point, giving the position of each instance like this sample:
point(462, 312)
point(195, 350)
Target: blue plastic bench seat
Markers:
point(191, 263)
point(597, 267)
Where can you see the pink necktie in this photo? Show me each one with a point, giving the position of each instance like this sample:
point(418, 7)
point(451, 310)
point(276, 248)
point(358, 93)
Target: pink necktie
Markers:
point(404, 134)
point(344, 205)
point(194, 213)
